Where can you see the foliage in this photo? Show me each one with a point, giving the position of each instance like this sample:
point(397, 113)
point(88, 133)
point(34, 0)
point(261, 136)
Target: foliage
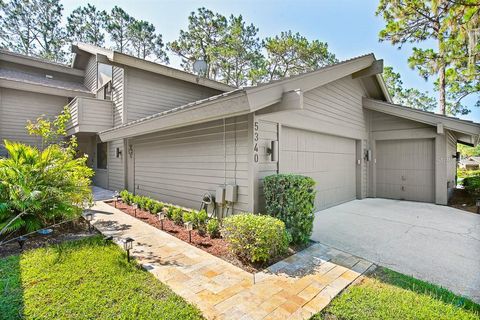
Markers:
point(145, 42)
point(291, 198)
point(127, 197)
point(291, 53)
point(85, 279)
point(118, 23)
point(467, 151)
point(38, 187)
point(87, 24)
point(409, 97)
point(472, 184)
point(157, 207)
point(177, 215)
point(450, 25)
point(389, 295)
point(33, 27)
point(462, 173)
point(50, 131)
point(255, 238)
point(150, 204)
point(213, 228)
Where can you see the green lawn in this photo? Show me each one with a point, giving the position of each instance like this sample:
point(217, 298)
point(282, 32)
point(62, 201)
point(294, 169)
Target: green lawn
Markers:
point(84, 279)
point(390, 295)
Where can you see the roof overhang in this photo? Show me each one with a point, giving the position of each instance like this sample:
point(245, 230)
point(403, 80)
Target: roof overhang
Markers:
point(277, 95)
point(37, 63)
point(467, 130)
point(42, 88)
point(121, 59)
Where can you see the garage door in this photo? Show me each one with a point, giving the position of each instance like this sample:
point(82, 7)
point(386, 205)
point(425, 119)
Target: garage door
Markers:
point(330, 160)
point(405, 169)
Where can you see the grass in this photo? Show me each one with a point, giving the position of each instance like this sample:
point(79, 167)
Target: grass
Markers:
point(387, 295)
point(84, 279)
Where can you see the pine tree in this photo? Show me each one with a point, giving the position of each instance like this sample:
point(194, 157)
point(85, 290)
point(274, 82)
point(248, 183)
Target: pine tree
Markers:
point(118, 24)
point(145, 42)
point(86, 24)
point(50, 34)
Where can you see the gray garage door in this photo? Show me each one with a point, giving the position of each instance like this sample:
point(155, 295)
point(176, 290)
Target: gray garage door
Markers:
point(330, 160)
point(405, 169)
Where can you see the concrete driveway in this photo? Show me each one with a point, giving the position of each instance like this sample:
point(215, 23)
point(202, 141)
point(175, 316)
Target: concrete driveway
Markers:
point(435, 243)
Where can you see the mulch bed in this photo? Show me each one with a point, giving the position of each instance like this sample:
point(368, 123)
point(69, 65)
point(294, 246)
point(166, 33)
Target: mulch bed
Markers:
point(71, 230)
point(215, 246)
point(463, 200)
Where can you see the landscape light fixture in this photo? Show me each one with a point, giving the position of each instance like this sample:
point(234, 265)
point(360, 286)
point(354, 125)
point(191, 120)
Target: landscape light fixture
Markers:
point(189, 228)
point(161, 217)
point(89, 218)
point(21, 241)
point(135, 207)
point(117, 197)
point(128, 245)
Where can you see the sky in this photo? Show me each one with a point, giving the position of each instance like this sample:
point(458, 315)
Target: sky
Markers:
point(350, 27)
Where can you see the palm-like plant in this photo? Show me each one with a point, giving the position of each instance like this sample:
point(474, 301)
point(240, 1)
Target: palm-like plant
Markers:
point(38, 186)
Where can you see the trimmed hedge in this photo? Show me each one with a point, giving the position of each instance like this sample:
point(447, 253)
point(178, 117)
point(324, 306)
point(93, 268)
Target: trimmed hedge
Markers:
point(255, 238)
point(472, 184)
point(291, 198)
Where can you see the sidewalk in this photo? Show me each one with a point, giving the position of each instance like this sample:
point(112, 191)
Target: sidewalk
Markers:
point(295, 288)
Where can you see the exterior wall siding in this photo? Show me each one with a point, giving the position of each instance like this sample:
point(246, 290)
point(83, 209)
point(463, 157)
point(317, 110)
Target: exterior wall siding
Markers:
point(451, 162)
point(116, 168)
point(117, 96)
point(90, 80)
point(180, 165)
point(17, 107)
point(148, 93)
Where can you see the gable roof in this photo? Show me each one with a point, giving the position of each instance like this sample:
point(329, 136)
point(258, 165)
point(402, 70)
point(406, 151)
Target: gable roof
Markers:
point(239, 101)
point(118, 58)
point(465, 127)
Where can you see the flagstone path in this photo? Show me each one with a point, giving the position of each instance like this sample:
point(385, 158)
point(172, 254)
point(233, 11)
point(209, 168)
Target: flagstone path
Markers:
point(294, 288)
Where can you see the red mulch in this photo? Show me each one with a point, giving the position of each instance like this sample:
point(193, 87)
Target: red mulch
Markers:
point(215, 246)
point(72, 230)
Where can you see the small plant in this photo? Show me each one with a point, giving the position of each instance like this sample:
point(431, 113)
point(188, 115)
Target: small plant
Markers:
point(291, 198)
point(125, 196)
point(472, 185)
point(177, 215)
point(157, 207)
point(213, 228)
point(170, 210)
point(201, 221)
point(189, 217)
point(256, 238)
point(150, 204)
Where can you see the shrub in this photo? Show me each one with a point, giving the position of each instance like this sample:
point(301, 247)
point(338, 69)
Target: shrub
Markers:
point(188, 216)
point(177, 215)
point(256, 238)
point(150, 204)
point(170, 210)
point(41, 185)
point(125, 195)
point(213, 228)
point(157, 207)
point(291, 198)
point(472, 184)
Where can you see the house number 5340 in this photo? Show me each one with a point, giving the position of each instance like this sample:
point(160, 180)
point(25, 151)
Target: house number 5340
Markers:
point(255, 142)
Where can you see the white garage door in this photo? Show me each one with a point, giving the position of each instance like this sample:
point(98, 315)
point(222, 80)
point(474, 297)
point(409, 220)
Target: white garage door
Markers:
point(405, 169)
point(330, 160)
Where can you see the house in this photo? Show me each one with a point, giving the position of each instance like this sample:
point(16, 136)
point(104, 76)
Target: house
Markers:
point(469, 163)
point(171, 135)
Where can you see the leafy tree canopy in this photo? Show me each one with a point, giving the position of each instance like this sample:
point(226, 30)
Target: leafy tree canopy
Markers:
point(87, 24)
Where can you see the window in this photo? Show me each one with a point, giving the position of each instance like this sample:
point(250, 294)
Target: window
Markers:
point(102, 155)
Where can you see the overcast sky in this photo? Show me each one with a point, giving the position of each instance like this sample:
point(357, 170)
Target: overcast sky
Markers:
point(349, 26)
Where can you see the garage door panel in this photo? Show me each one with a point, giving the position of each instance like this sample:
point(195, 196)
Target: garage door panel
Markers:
point(405, 169)
point(329, 160)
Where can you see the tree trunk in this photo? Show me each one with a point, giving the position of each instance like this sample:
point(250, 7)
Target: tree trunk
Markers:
point(441, 89)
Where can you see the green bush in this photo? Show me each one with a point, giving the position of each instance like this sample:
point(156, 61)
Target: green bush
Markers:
point(291, 198)
point(188, 216)
point(256, 238)
point(472, 184)
point(213, 228)
point(157, 207)
point(39, 186)
point(463, 173)
point(125, 196)
point(177, 215)
point(150, 205)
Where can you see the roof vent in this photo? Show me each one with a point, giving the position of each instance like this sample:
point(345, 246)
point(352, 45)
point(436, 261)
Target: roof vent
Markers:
point(48, 76)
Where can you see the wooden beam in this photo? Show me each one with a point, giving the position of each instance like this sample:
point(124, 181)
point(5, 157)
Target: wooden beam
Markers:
point(375, 68)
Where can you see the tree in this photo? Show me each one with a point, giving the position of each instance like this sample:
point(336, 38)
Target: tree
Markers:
point(240, 55)
point(118, 24)
point(145, 42)
point(40, 186)
point(408, 97)
point(86, 24)
point(290, 54)
point(18, 26)
point(205, 32)
point(446, 22)
point(50, 34)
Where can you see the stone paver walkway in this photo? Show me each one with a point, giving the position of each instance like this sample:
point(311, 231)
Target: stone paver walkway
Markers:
point(294, 288)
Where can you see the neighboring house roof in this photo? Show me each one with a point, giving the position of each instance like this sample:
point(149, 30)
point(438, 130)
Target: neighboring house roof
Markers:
point(470, 162)
point(463, 127)
point(243, 101)
point(475, 159)
point(115, 57)
point(15, 79)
